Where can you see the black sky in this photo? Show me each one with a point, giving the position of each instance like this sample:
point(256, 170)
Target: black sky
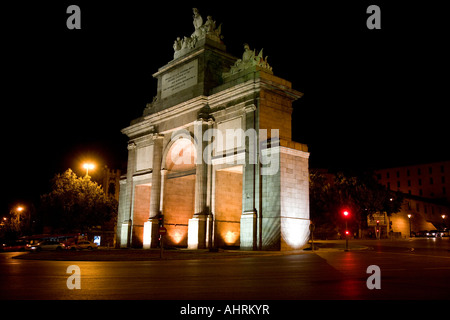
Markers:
point(373, 98)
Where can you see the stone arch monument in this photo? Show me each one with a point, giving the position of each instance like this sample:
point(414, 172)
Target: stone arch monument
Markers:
point(213, 154)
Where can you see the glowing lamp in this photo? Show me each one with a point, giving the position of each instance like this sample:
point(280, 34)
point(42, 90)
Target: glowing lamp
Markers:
point(88, 166)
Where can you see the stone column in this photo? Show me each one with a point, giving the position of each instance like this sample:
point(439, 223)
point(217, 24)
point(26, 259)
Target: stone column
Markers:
point(209, 182)
point(156, 176)
point(201, 174)
point(151, 234)
point(163, 182)
point(125, 234)
point(249, 219)
point(197, 225)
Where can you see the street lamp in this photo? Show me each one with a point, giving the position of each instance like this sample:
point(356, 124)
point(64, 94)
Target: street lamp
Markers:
point(88, 166)
point(443, 221)
point(409, 218)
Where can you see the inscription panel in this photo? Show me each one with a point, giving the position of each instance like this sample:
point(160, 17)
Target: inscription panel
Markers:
point(179, 79)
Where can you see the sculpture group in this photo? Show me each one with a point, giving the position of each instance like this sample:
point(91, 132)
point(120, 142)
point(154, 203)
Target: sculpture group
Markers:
point(208, 29)
point(201, 30)
point(249, 59)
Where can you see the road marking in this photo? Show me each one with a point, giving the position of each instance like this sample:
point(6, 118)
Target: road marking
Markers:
point(414, 254)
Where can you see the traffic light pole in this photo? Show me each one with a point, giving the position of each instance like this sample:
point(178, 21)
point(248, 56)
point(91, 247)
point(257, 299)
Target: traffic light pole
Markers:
point(346, 215)
point(162, 246)
point(346, 236)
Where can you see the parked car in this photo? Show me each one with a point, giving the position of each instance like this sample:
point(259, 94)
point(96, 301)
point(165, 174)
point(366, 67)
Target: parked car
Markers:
point(422, 233)
point(46, 245)
point(441, 233)
point(13, 245)
point(82, 244)
point(444, 233)
point(432, 234)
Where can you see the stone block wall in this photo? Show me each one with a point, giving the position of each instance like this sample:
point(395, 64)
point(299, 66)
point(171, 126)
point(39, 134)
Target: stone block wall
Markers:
point(294, 198)
point(178, 208)
point(275, 113)
point(285, 201)
point(228, 208)
point(141, 211)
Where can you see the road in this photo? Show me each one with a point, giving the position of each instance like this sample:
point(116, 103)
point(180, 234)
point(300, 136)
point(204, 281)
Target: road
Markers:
point(406, 273)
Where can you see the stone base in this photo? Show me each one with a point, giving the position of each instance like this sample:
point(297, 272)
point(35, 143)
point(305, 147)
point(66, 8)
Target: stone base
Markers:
point(294, 233)
point(125, 234)
point(151, 234)
point(248, 231)
point(197, 233)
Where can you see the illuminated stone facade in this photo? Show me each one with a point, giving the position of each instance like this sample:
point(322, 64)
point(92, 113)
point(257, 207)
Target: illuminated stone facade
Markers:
point(213, 154)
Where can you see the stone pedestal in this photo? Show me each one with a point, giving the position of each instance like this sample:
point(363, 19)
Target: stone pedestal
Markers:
point(248, 230)
point(151, 234)
point(125, 234)
point(197, 232)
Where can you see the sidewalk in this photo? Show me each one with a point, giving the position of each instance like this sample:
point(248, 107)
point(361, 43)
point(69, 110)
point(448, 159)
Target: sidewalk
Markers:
point(104, 254)
point(336, 245)
point(143, 255)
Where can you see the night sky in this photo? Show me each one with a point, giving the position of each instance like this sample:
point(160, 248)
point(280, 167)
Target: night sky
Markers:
point(373, 98)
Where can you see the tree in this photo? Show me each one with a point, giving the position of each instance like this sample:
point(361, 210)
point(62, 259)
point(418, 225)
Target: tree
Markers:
point(18, 222)
point(76, 204)
point(360, 194)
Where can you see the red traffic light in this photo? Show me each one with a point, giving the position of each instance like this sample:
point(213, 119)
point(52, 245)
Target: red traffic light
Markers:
point(347, 232)
point(345, 213)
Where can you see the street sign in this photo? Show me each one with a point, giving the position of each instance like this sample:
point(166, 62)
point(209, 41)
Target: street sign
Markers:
point(162, 231)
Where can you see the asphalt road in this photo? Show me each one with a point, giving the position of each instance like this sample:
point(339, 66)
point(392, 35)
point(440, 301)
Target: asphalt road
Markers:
point(418, 269)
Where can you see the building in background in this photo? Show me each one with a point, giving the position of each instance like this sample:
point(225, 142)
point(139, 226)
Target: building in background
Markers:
point(427, 197)
point(429, 181)
point(105, 234)
point(111, 182)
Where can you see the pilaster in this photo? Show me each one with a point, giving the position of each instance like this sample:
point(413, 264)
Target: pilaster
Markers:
point(125, 236)
point(250, 186)
point(151, 234)
point(155, 196)
point(197, 225)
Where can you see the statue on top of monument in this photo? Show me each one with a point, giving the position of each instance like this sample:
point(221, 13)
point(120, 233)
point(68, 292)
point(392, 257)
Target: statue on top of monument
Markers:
point(248, 54)
point(249, 59)
point(201, 30)
point(198, 23)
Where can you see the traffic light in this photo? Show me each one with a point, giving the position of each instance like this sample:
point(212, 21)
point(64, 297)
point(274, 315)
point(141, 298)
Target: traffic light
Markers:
point(347, 232)
point(346, 213)
point(161, 220)
point(378, 229)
